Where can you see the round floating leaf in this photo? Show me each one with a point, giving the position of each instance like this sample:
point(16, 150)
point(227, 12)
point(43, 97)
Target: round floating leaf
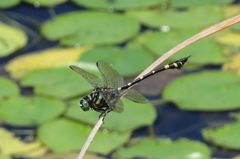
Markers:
point(233, 64)
point(12, 39)
point(8, 141)
point(205, 91)
point(165, 148)
point(8, 88)
point(135, 115)
point(43, 59)
point(121, 58)
point(59, 82)
point(228, 38)
point(2, 156)
point(46, 3)
point(65, 135)
point(227, 136)
point(118, 5)
point(190, 3)
point(8, 4)
point(203, 52)
point(82, 28)
point(28, 111)
point(194, 17)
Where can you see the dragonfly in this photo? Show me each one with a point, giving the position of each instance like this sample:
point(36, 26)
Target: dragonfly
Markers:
point(109, 88)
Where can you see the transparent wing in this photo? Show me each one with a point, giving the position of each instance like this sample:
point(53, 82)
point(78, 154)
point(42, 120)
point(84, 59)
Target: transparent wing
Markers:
point(111, 78)
point(113, 99)
point(118, 107)
point(135, 96)
point(91, 78)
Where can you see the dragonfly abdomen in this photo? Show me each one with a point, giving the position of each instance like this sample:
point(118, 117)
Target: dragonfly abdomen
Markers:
point(174, 65)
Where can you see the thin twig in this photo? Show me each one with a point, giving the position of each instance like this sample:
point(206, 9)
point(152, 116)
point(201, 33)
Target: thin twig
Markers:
point(179, 47)
point(90, 137)
point(202, 34)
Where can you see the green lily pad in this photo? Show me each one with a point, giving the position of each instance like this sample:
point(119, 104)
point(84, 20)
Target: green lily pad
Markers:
point(88, 27)
point(227, 136)
point(167, 149)
point(118, 5)
point(190, 3)
point(65, 135)
point(203, 52)
point(135, 115)
point(8, 88)
point(12, 39)
point(194, 17)
point(236, 116)
point(59, 82)
point(2, 156)
point(28, 111)
point(205, 91)
point(46, 3)
point(9, 3)
point(121, 58)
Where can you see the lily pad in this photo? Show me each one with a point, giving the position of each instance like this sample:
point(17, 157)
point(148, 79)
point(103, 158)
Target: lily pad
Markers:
point(12, 39)
point(29, 111)
point(194, 17)
point(68, 155)
point(5, 156)
point(89, 27)
point(228, 37)
point(121, 58)
point(203, 52)
point(9, 3)
point(227, 136)
point(8, 88)
point(65, 135)
point(8, 141)
point(233, 64)
point(118, 5)
point(21, 65)
point(165, 148)
point(135, 115)
point(46, 3)
point(190, 3)
point(59, 82)
point(205, 91)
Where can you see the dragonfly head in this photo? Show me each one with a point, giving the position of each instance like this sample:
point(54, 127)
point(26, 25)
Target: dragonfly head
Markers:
point(84, 104)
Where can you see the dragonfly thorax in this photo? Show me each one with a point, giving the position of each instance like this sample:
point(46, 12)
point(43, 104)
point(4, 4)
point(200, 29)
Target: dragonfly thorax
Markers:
point(94, 101)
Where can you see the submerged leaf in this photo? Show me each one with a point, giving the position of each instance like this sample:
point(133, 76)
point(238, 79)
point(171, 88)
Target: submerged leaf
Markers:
point(28, 111)
point(227, 136)
point(166, 149)
point(43, 59)
point(12, 39)
point(65, 135)
point(205, 91)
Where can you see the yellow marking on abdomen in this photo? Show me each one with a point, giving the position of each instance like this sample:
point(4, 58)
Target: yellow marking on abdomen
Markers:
point(129, 84)
point(175, 64)
point(153, 71)
point(166, 66)
point(141, 77)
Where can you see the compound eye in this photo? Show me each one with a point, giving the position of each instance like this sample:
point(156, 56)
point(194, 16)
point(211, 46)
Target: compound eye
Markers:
point(84, 105)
